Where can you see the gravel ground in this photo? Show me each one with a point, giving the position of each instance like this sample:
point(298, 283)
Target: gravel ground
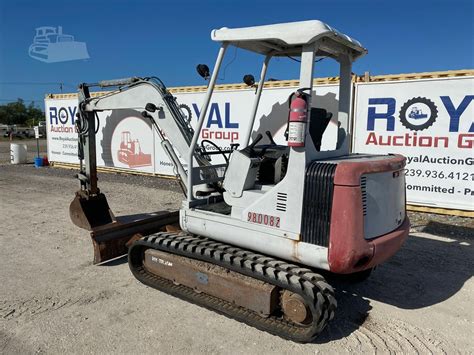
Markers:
point(53, 300)
point(31, 149)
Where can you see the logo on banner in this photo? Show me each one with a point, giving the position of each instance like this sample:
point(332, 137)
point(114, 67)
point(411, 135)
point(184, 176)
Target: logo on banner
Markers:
point(418, 113)
point(130, 152)
point(127, 140)
point(186, 112)
point(62, 119)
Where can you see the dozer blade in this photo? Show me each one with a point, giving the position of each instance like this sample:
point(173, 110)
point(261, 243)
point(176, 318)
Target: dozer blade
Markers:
point(89, 212)
point(112, 240)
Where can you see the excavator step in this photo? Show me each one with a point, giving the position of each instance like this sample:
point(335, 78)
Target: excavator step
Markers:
point(298, 303)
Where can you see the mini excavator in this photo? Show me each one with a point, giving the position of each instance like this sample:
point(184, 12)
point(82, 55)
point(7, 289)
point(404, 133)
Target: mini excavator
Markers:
point(254, 232)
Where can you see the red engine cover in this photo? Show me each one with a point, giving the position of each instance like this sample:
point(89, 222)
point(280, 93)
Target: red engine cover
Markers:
point(348, 250)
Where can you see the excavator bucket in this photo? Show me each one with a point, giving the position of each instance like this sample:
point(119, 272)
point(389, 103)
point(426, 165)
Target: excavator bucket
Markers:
point(89, 212)
point(111, 236)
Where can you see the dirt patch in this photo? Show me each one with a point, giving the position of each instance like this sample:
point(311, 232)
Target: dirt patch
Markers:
point(53, 300)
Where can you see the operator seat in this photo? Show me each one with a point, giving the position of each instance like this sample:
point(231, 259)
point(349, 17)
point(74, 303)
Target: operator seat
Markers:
point(242, 170)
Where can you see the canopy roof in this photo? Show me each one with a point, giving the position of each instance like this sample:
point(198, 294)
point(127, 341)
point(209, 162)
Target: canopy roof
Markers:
point(285, 39)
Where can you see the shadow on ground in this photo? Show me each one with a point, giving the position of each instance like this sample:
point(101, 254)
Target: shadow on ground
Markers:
point(426, 271)
point(116, 261)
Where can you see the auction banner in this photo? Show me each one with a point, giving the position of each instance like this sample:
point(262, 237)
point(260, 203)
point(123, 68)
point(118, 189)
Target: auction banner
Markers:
point(431, 123)
point(61, 132)
point(125, 139)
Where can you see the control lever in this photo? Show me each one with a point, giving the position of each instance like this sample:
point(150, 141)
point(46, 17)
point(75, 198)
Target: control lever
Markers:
point(256, 140)
point(269, 135)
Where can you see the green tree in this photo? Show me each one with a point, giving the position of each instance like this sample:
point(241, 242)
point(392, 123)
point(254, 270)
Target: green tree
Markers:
point(20, 114)
point(35, 114)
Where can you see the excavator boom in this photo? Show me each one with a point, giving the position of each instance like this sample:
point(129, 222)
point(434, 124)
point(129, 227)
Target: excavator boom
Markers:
point(90, 209)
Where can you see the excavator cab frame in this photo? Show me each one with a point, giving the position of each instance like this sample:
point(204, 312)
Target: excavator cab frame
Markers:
point(316, 39)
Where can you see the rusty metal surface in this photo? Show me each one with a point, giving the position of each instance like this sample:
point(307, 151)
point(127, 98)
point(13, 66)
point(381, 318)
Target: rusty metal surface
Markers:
point(294, 307)
point(89, 212)
point(112, 240)
point(214, 280)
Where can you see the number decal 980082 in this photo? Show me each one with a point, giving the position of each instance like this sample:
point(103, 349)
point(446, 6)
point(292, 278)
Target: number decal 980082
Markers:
point(265, 219)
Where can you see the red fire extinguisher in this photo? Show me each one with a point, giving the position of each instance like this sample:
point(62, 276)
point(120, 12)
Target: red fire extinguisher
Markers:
point(297, 120)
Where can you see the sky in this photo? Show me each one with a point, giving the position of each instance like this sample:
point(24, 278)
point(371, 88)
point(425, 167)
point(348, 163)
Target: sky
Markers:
point(169, 38)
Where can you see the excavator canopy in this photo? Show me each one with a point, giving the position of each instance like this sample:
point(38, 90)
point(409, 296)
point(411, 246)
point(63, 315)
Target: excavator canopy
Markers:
point(286, 39)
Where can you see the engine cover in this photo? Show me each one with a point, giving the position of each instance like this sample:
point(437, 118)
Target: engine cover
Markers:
point(349, 203)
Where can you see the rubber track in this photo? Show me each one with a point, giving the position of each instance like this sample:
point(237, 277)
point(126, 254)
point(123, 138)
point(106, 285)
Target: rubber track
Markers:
point(318, 295)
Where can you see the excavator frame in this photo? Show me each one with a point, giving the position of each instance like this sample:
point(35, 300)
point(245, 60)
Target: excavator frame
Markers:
point(322, 210)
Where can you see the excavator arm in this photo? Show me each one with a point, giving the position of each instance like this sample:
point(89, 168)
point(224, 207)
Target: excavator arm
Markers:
point(90, 209)
point(147, 94)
